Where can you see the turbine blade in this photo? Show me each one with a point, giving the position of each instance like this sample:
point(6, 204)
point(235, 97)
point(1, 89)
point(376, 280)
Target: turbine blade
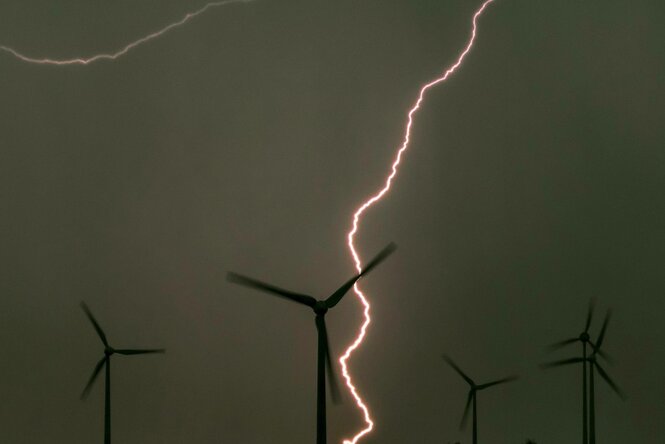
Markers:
point(465, 415)
point(500, 381)
point(129, 351)
point(332, 375)
point(609, 380)
point(561, 362)
point(601, 336)
point(560, 344)
point(458, 370)
point(383, 255)
point(93, 377)
point(589, 315)
point(253, 283)
point(98, 329)
point(341, 291)
point(602, 353)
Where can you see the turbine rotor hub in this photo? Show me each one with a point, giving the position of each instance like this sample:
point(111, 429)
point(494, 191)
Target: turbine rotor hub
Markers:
point(108, 351)
point(584, 337)
point(320, 308)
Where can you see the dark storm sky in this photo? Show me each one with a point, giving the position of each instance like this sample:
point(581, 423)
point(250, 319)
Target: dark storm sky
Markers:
point(244, 141)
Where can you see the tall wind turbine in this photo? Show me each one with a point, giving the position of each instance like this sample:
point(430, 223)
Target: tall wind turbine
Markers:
point(320, 308)
point(106, 362)
point(585, 340)
point(471, 399)
point(595, 365)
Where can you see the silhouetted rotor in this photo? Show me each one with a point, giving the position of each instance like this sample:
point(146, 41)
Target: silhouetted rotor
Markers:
point(582, 337)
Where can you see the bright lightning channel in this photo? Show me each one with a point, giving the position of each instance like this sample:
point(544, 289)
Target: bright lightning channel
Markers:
point(371, 201)
point(124, 50)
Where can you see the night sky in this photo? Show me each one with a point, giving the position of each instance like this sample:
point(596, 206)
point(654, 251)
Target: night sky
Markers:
point(244, 141)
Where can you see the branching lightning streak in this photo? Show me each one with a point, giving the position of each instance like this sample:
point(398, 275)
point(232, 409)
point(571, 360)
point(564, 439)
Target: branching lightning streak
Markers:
point(124, 50)
point(358, 213)
point(371, 201)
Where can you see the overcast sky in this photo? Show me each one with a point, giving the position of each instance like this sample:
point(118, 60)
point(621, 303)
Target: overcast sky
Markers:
point(244, 141)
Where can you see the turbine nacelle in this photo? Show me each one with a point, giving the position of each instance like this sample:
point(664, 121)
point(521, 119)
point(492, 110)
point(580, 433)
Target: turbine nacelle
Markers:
point(320, 308)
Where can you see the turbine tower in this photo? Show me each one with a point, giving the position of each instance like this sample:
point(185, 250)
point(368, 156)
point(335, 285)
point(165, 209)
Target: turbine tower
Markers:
point(471, 399)
point(320, 308)
point(106, 362)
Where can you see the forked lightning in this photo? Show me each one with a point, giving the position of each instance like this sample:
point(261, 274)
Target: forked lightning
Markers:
point(371, 201)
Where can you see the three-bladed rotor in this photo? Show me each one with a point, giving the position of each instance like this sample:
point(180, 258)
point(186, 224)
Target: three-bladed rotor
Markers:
point(320, 307)
point(592, 359)
point(582, 337)
point(473, 387)
point(108, 351)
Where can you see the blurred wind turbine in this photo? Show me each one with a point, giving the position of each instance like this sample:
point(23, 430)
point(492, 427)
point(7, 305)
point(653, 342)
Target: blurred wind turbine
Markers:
point(471, 399)
point(583, 338)
point(320, 307)
point(593, 364)
point(106, 362)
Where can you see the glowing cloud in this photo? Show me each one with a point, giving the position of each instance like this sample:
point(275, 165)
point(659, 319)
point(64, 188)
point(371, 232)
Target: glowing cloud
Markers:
point(371, 201)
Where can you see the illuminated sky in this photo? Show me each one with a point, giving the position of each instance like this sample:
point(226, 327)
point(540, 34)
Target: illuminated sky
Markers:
point(245, 140)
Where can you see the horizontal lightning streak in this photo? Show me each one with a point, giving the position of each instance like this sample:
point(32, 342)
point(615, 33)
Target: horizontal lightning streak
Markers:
point(371, 201)
point(119, 53)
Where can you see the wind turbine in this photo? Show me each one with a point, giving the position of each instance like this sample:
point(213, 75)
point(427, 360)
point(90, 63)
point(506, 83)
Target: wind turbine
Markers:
point(320, 308)
point(593, 364)
point(106, 362)
point(585, 339)
point(473, 388)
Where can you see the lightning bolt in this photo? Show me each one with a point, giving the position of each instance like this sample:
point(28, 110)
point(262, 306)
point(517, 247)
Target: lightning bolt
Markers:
point(125, 49)
point(358, 213)
point(371, 201)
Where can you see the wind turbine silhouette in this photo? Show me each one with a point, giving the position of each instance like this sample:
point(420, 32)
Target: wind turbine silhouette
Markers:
point(473, 388)
point(585, 339)
point(594, 365)
point(320, 307)
point(106, 362)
